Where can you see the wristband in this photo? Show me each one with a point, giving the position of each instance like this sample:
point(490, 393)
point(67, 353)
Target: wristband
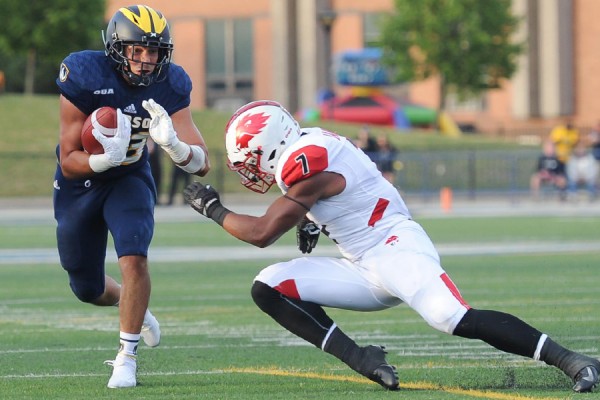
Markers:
point(179, 152)
point(198, 161)
point(100, 163)
point(218, 214)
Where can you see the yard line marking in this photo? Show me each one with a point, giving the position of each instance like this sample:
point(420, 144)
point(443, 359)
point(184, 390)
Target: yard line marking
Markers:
point(405, 385)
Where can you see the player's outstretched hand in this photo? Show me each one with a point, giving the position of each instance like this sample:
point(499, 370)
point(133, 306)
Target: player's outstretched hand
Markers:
point(205, 200)
point(162, 132)
point(161, 127)
point(307, 235)
point(115, 147)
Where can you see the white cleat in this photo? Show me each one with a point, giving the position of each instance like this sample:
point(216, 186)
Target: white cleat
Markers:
point(124, 370)
point(150, 330)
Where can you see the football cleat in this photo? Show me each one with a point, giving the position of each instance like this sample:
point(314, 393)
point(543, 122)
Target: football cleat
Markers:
point(150, 330)
point(374, 366)
point(586, 379)
point(124, 371)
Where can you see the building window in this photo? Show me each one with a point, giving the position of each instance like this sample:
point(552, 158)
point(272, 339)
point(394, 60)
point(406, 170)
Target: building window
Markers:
point(472, 103)
point(371, 30)
point(229, 63)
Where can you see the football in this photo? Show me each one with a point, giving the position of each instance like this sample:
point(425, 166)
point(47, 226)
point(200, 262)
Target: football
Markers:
point(104, 120)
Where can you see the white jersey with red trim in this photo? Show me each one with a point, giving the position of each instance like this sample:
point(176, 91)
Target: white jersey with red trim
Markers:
point(358, 218)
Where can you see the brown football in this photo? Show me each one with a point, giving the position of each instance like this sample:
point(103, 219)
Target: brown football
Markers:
point(104, 120)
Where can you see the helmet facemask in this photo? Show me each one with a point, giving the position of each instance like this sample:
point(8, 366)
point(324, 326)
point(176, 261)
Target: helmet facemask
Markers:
point(251, 175)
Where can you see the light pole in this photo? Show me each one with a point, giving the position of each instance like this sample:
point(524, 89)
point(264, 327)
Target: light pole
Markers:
point(326, 19)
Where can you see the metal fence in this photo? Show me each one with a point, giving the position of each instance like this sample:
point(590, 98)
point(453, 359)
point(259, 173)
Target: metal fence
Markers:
point(469, 173)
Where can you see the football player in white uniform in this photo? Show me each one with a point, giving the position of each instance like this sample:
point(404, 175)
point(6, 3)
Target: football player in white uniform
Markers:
point(388, 259)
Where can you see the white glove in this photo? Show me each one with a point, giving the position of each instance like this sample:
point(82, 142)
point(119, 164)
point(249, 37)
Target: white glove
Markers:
point(115, 147)
point(162, 132)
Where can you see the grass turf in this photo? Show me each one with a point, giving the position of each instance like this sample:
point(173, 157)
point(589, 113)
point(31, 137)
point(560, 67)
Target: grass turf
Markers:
point(218, 345)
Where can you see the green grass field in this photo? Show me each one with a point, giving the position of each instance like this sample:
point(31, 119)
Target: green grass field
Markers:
point(218, 345)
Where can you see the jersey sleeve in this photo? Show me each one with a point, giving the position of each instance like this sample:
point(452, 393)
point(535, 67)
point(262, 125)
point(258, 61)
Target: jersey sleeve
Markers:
point(74, 80)
point(181, 86)
point(304, 163)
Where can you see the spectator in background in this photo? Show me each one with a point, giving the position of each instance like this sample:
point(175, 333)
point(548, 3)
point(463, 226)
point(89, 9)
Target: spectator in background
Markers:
point(367, 143)
point(177, 175)
point(582, 171)
point(594, 141)
point(155, 166)
point(386, 156)
point(564, 136)
point(549, 170)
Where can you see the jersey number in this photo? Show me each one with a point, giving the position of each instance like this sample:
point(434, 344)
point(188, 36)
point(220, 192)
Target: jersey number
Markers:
point(303, 161)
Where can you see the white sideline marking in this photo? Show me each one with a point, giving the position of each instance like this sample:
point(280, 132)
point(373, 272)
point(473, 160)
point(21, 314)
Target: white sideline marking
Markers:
point(198, 254)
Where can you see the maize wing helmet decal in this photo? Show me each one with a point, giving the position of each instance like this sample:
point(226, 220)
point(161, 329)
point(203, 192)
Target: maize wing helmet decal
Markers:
point(249, 126)
point(147, 19)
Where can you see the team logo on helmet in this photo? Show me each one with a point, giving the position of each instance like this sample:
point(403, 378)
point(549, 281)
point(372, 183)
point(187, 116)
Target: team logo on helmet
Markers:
point(147, 19)
point(249, 126)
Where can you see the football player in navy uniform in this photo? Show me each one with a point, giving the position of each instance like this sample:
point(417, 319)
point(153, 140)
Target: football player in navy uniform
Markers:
point(114, 191)
point(387, 258)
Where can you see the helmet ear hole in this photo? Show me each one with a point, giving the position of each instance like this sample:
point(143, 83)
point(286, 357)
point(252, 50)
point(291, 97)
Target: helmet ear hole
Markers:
point(272, 155)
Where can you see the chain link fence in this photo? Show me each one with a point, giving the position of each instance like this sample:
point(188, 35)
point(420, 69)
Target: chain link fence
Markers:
point(469, 173)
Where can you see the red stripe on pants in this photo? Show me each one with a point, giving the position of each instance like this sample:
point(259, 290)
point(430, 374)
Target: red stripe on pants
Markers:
point(454, 290)
point(288, 288)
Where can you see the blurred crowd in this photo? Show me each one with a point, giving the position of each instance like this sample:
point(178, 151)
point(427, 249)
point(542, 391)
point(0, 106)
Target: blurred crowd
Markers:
point(569, 163)
point(380, 151)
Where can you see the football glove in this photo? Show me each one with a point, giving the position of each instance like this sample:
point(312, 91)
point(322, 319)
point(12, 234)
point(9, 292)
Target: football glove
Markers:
point(307, 235)
point(115, 147)
point(205, 200)
point(162, 132)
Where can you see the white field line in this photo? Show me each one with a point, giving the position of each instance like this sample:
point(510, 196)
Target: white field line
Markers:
point(198, 254)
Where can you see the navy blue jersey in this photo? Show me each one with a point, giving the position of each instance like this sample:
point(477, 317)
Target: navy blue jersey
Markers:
point(89, 80)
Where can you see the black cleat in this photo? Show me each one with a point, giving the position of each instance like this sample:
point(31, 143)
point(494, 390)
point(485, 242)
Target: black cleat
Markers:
point(586, 379)
point(374, 366)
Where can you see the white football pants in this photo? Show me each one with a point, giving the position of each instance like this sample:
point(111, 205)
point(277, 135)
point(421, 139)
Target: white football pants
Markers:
point(403, 268)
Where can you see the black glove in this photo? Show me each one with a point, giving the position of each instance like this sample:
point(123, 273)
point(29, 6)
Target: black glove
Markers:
point(205, 200)
point(307, 235)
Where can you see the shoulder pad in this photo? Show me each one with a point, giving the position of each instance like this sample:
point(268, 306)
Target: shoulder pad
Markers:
point(179, 80)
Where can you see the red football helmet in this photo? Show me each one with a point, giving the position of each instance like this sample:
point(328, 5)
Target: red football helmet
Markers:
point(255, 137)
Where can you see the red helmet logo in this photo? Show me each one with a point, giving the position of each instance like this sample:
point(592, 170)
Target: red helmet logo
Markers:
point(249, 126)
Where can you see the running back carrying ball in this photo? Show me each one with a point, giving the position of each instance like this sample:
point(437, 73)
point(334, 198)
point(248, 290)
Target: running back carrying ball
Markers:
point(104, 120)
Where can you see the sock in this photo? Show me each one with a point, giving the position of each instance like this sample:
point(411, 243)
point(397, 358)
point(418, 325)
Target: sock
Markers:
point(339, 345)
point(129, 343)
point(303, 318)
point(503, 331)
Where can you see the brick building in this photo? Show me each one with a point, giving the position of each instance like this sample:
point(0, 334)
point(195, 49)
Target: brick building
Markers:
point(239, 50)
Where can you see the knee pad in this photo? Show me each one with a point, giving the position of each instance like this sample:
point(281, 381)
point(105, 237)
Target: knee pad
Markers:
point(439, 311)
point(86, 294)
point(264, 296)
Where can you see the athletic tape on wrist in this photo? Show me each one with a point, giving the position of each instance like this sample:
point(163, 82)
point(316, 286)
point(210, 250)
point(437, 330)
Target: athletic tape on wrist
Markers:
point(100, 163)
point(198, 161)
point(179, 152)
